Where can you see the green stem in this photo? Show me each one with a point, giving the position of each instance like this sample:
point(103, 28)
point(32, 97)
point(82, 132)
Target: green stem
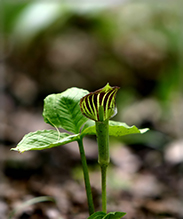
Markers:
point(86, 177)
point(104, 193)
point(102, 131)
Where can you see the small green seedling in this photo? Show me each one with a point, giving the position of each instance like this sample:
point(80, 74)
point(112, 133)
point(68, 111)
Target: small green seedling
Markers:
point(82, 113)
point(29, 203)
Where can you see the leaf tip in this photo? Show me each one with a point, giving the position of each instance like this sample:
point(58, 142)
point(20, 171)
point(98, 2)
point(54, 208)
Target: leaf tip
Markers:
point(142, 131)
point(17, 150)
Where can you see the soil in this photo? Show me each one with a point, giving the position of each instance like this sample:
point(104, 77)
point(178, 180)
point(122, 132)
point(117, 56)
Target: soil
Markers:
point(142, 181)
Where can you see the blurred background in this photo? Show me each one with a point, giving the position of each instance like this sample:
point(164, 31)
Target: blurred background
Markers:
point(49, 46)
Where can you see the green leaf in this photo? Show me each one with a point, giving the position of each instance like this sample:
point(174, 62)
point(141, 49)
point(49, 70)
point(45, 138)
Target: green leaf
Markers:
point(110, 215)
point(114, 215)
point(63, 111)
point(120, 129)
point(88, 128)
point(97, 215)
point(116, 129)
point(43, 139)
point(28, 24)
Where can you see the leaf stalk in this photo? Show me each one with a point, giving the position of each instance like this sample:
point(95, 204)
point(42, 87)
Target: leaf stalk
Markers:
point(86, 177)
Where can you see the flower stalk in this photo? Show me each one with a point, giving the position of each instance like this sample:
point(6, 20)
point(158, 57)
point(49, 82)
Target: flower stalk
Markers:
point(102, 132)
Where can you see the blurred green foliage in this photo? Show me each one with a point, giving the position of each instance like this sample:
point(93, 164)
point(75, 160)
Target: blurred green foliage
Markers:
point(134, 44)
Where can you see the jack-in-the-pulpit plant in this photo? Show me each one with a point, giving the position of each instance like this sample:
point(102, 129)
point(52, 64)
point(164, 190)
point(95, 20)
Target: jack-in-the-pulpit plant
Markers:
point(82, 113)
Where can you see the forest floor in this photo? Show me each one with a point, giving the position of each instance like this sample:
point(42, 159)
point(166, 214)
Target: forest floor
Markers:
point(143, 182)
